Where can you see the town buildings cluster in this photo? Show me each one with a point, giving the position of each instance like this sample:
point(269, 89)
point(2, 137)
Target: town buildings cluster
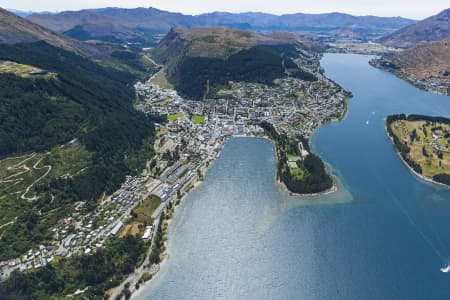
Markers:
point(185, 146)
point(293, 106)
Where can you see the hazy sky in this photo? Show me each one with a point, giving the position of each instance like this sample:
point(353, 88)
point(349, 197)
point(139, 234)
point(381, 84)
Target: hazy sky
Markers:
point(417, 9)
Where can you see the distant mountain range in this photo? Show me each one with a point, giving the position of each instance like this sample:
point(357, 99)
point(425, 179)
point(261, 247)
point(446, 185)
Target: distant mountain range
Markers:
point(20, 13)
point(426, 61)
point(26, 13)
point(426, 65)
point(423, 61)
point(14, 30)
point(151, 21)
point(435, 28)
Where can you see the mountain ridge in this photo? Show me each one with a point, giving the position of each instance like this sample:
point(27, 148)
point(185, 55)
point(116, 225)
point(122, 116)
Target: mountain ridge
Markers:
point(426, 65)
point(199, 61)
point(160, 21)
point(15, 30)
point(55, 92)
point(432, 29)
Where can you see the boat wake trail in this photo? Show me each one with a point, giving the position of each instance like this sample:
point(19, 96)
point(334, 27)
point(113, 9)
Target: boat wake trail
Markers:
point(445, 270)
point(426, 238)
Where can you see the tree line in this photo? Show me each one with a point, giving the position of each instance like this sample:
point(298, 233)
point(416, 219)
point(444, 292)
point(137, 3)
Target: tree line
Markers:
point(100, 271)
point(86, 101)
point(315, 180)
point(261, 64)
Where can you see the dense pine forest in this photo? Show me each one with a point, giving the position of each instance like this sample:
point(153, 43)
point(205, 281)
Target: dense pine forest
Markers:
point(309, 174)
point(262, 64)
point(86, 102)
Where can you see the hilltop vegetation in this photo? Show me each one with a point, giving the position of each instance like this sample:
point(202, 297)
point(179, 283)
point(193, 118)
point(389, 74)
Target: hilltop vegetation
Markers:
point(199, 61)
point(137, 64)
point(83, 93)
point(302, 173)
point(216, 42)
point(20, 70)
point(194, 76)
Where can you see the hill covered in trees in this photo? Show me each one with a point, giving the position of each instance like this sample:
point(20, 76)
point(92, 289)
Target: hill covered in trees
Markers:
point(83, 101)
point(199, 61)
point(99, 272)
point(301, 174)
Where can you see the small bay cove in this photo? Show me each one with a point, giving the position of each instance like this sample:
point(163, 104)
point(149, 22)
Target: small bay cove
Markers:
point(383, 235)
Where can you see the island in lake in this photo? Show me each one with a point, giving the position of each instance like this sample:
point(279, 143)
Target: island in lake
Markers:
point(423, 143)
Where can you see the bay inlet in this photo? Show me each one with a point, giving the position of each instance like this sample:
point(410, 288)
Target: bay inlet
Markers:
point(384, 235)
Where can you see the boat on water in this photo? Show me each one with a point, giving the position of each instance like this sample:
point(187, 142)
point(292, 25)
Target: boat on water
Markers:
point(446, 269)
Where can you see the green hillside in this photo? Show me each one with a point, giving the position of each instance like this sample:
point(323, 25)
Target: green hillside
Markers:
point(194, 76)
point(84, 101)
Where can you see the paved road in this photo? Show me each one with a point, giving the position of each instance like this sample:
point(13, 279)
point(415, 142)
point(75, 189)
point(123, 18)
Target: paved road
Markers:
point(137, 274)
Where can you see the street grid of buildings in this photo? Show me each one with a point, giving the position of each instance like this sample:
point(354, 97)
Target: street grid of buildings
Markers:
point(293, 106)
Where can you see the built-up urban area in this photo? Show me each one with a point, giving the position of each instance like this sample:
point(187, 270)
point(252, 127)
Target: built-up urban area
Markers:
point(193, 136)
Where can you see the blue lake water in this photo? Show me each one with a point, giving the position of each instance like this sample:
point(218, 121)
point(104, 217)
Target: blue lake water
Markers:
point(384, 235)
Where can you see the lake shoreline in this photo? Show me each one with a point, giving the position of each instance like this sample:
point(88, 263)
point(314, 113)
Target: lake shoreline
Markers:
point(332, 190)
point(318, 236)
point(166, 253)
point(411, 170)
point(419, 84)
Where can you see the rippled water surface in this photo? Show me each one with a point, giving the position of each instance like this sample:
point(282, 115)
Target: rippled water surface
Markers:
point(384, 235)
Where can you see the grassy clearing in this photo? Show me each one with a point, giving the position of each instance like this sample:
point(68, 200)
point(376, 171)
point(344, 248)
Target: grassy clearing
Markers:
point(296, 172)
point(161, 132)
point(423, 147)
point(161, 80)
point(293, 158)
point(139, 65)
point(145, 210)
point(174, 117)
point(198, 119)
point(142, 216)
point(21, 70)
point(162, 102)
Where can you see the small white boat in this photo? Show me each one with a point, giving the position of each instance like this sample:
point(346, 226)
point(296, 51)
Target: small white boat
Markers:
point(367, 122)
point(446, 269)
